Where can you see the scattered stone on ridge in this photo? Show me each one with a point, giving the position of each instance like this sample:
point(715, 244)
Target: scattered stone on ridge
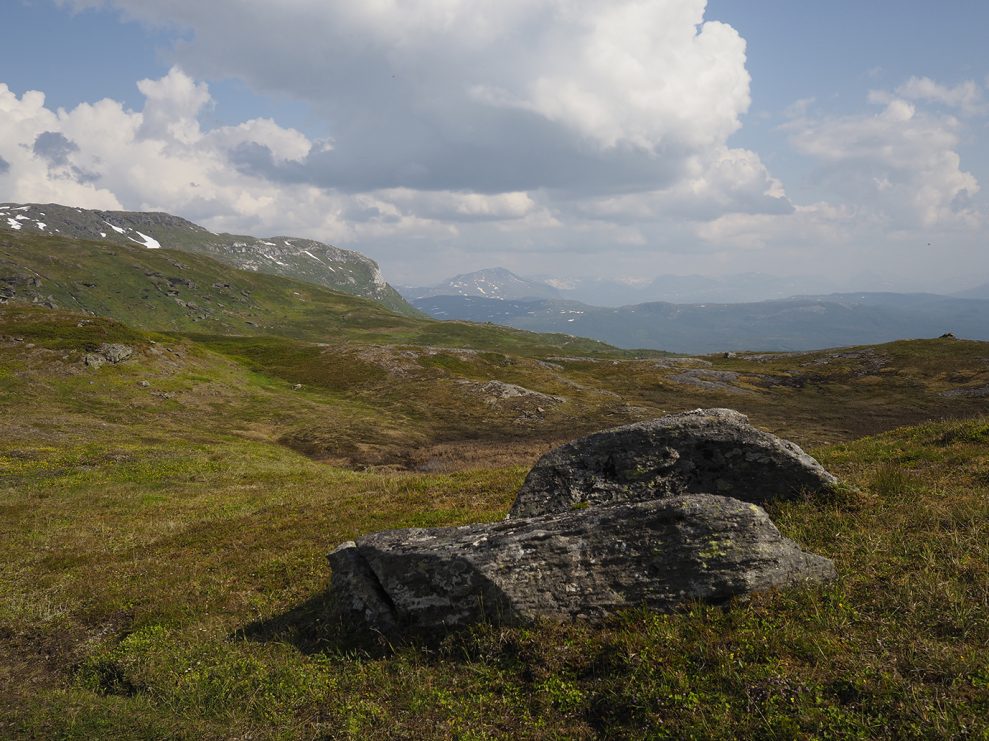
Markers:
point(583, 564)
point(496, 391)
point(704, 451)
point(93, 360)
point(115, 353)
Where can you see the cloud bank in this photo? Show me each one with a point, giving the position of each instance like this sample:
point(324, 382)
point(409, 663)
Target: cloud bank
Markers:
point(463, 131)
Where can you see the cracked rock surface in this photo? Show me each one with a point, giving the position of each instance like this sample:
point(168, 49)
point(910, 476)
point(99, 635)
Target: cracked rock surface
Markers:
point(708, 450)
point(577, 565)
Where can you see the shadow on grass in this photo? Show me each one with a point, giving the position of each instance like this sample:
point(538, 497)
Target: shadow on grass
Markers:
point(314, 627)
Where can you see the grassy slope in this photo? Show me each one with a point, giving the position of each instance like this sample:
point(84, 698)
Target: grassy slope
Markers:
point(162, 551)
point(177, 233)
point(170, 290)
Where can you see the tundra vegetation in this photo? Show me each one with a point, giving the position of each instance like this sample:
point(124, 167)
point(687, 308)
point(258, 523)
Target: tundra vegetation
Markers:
point(165, 520)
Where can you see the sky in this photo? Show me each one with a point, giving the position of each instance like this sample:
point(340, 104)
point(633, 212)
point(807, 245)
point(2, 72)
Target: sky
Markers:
point(620, 139)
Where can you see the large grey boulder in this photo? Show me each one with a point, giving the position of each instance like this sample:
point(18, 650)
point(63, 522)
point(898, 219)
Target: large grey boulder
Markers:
point(574, 565)
point(707, 450)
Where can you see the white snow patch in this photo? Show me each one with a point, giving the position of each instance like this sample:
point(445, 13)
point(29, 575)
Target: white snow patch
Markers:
point(307, 252)
point(22, 217)
point(41, 225)
point(21, 208)
point(117, 229)
point(270, 244)
point(103, 234)
point(379, 279)
point(150, 242)
point(14, 224)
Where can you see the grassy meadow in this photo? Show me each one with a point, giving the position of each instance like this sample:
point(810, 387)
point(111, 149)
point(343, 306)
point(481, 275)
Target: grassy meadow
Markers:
point(164, 525)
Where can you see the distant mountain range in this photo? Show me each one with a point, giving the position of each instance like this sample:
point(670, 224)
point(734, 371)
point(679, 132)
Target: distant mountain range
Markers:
point(678, 289)
point(493, 283)
point(498, 296)
point(302, 259)
point(799, 323)
point(977, 292)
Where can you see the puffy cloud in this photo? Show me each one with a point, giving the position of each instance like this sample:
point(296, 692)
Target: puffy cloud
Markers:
point(586, 95)
point(966, 96)
point(901, 162)
point(102, 155)
point(805, 226)
point(25, 123)
point(723, 181)
point(456, 207)
point(595, 128)
point(172, 106)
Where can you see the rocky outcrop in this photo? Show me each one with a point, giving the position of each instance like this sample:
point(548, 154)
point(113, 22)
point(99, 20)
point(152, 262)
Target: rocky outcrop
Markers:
point(705, 451)
point(108, 353)
point(576, 565)
point(636, 516)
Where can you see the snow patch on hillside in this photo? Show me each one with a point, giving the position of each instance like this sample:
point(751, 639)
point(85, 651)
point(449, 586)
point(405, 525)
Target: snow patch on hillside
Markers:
point(150, 242)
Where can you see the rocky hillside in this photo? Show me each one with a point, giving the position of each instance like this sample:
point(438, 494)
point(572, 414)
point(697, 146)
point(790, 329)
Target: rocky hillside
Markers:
point(302, 259)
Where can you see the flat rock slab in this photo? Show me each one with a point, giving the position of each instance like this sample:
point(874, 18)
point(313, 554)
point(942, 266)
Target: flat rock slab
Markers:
point(576, 565)
point(708, 450)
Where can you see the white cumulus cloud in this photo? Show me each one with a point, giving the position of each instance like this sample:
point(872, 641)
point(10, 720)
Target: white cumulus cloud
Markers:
point(471, 94)
point(901, 162)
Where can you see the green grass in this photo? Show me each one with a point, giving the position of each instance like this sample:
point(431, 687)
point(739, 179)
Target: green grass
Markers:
point(129, 612)
point(168, 290)
point(163, 547)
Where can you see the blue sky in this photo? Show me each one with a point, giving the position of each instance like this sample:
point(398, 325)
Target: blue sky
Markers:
point(627, 138)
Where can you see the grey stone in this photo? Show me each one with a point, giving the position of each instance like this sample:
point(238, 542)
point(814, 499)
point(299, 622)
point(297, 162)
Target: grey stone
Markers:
point(93, 360)
point(579, 565)
point(115, 353)
point(499, 390)
point(707, 450)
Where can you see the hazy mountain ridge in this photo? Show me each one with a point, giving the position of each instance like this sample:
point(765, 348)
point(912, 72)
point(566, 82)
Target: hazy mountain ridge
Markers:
point(301, 259)
point(492, 283)
point(981, 291)
point(799, 323)
point(501, 283)
point(686, 289)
